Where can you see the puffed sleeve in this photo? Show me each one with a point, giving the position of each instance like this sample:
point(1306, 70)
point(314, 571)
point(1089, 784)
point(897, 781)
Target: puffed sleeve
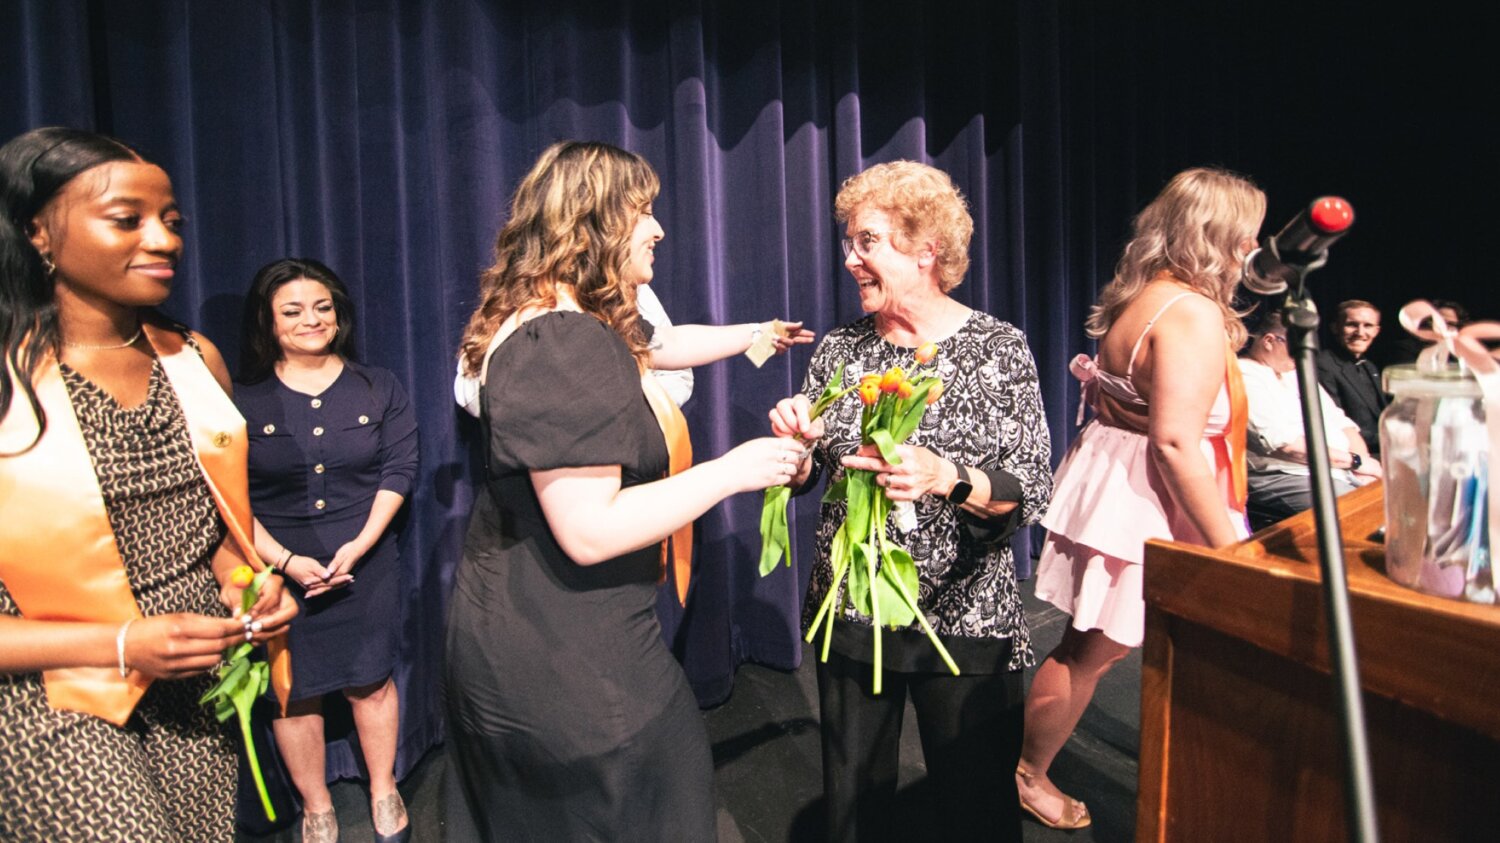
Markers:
point(561, 393)
point(399, 452)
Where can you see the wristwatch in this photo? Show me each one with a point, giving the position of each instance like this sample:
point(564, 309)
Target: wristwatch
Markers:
point(961, 487)
point(1354, 461)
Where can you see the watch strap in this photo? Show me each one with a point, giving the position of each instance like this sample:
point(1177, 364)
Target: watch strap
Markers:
point(961, 487)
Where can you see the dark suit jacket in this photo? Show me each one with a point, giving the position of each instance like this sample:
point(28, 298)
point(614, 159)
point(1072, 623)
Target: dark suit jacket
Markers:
point(1354, 392)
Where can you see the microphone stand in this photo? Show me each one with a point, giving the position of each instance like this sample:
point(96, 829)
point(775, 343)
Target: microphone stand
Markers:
point(1301, 318)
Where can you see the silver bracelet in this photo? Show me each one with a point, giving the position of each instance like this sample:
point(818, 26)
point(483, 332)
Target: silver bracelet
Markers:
point(120, 646)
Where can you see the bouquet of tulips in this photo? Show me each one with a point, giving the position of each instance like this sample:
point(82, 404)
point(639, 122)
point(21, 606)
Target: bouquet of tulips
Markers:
point(242, 681)
point(871, 573)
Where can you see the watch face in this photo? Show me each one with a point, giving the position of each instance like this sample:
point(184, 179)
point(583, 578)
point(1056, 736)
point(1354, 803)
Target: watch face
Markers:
point(960, 492)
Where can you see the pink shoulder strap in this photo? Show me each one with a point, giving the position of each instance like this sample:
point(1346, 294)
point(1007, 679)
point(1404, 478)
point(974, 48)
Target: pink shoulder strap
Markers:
point(1130, 368)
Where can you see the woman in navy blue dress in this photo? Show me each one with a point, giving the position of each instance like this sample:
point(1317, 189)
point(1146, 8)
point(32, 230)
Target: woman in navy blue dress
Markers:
point(333, 453)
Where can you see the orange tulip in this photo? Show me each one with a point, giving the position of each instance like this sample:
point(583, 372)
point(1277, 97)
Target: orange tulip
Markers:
point(905, 389)
point(935, 393)
point(891, 380)
point(926, 353)
point(869, 392)
point(242, 576)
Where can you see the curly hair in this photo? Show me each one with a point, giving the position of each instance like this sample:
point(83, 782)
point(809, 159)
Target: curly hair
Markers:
point(34, 169)
point(570, 223)
point(924, 203)
point(1192, 229)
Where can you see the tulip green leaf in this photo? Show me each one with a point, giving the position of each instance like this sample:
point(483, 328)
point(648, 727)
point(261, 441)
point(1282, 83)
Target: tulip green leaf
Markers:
point(887, 446)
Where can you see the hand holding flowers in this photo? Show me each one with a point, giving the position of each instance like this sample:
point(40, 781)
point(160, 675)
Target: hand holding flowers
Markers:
point(241, 680)
point(872, 574)
point(792, 418)
point(919, 471)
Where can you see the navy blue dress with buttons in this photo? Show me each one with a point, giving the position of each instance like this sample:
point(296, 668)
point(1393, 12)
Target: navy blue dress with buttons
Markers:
point(316, 462)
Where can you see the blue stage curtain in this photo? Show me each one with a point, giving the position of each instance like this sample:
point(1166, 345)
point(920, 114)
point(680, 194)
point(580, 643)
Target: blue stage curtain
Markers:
point(384, 138)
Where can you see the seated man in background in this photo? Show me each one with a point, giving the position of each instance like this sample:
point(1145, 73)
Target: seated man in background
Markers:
point(1277, 448)
point(1350, 376)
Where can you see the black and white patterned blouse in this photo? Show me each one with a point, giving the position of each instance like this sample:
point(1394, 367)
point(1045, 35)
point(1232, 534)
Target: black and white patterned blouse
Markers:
point(989, 417)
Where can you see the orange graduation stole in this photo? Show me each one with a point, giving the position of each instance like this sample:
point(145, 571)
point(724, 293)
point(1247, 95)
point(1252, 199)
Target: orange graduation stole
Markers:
point(1234, 435)
point(680, 450)
point(58, 556)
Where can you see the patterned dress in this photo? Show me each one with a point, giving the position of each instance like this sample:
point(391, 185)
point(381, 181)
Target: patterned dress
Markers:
point(990, 417)
point(169, 774)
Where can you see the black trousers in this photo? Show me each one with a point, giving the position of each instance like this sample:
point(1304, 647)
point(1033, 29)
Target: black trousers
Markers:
point(970, 727)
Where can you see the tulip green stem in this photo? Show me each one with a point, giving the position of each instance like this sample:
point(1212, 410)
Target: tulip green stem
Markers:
point(875, 537)
point(926, 627)
point(260, 781)
point(826, 607)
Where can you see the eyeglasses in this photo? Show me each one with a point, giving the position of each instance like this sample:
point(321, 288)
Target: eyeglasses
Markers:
point(864, 242)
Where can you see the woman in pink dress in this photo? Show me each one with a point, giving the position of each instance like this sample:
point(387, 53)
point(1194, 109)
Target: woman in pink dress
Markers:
point(1162, 458)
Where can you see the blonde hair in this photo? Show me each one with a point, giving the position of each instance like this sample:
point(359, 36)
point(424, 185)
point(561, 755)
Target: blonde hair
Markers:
point(923, 201)
point(571, 221)
point(1358, 304)
point(1193, 230)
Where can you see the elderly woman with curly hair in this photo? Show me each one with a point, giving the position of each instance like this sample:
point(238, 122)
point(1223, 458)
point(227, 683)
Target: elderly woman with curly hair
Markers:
point(977, 469)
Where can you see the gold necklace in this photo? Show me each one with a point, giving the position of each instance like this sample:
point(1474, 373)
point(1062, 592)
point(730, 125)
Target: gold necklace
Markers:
point(126, 344)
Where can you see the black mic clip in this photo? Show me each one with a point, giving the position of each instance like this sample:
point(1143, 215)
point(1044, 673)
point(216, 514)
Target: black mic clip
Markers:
point(1267, 271)
point(1299, 248)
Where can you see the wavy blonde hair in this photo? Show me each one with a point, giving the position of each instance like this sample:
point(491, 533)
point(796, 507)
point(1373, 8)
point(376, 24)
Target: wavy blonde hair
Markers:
point(924, 202)
point(571, 221)
point(1192, 229)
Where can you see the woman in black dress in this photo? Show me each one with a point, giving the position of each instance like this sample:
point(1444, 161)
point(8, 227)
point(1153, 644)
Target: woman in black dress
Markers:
point(570, 719)
point(333, 453)
point(120, 515)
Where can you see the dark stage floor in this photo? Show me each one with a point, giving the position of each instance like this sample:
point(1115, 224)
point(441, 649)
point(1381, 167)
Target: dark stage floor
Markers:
point(766, 757)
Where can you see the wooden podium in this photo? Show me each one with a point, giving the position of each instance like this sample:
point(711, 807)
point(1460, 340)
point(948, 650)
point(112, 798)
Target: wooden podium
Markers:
point(1239, 732)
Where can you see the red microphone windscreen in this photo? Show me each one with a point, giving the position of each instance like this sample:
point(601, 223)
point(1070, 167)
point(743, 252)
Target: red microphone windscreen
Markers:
point(1331, 214)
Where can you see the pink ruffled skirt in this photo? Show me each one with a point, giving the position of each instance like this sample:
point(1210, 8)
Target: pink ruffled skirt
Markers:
point(1108, 500)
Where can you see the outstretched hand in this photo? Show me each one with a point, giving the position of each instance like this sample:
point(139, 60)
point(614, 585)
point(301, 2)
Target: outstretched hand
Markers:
point(792, 417)
point(791, 333)
point(764, 462)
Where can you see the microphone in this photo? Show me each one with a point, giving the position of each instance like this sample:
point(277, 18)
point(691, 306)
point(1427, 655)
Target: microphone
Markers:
point(1301, 246)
